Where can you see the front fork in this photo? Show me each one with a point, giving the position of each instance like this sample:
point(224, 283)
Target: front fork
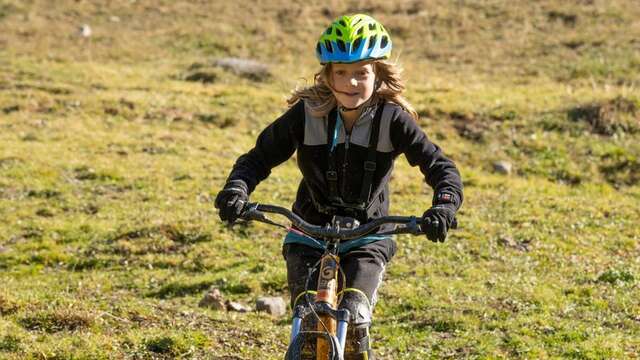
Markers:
point(333, 321)
point(327, 294)
point(341, 316)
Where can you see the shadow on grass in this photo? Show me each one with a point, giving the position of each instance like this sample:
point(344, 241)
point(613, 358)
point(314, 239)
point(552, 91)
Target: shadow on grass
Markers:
point(170, 232)
point(180, 289)
point(90, 264)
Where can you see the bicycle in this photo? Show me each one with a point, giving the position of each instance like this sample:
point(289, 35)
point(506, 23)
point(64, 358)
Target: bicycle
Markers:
point(332, 323)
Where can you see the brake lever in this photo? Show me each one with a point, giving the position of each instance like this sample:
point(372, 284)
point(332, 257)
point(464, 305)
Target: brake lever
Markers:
point(454, 225)
point(414, 227)
point(251, 213)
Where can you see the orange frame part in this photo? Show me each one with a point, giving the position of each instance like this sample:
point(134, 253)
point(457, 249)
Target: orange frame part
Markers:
point(327, 293)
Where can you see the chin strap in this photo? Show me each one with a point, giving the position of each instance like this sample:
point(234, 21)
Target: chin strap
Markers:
point(370, 100)
point(346, 109)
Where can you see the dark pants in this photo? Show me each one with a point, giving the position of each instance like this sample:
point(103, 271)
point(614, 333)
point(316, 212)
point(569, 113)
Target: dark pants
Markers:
point(363, 267)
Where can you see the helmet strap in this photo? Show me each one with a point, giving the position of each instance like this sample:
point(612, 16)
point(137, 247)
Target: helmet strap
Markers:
point(363, 105)
point(346, 109)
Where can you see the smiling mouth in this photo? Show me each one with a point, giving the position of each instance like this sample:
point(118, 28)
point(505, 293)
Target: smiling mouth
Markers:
point(348, 94)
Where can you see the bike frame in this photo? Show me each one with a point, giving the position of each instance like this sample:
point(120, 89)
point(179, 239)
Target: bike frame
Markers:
point(331, 331)
point(331, 321)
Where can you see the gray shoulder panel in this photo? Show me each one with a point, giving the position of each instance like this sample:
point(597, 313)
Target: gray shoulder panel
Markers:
point(315, 130)
point(362, 130)
point(384, 142)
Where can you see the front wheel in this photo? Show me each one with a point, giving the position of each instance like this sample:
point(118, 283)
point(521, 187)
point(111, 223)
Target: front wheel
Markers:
point(303, 347)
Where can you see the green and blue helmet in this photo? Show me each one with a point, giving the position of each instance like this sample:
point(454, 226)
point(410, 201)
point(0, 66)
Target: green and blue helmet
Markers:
point(353, 38)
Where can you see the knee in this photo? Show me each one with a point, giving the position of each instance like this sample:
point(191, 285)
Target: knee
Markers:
point(358, 305)
point(358, 340)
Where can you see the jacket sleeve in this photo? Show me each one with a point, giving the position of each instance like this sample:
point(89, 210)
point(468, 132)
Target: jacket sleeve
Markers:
point(275, 144)
point(439, 171)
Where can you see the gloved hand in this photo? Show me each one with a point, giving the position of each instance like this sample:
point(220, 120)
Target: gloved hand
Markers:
point(231, 200)
point(437, 221)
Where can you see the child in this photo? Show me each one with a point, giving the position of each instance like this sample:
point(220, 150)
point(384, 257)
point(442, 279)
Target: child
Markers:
point(347, 129)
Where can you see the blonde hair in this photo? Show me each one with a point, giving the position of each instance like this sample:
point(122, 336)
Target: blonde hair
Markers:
point(320, 100)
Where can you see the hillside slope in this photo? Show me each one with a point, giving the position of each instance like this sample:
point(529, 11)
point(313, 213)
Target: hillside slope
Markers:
point(112, 146)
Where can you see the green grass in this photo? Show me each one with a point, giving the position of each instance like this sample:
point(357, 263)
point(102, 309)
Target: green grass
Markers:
point(110, 157)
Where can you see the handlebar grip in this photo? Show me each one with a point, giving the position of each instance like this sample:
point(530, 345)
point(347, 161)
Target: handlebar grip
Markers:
point(454, 223)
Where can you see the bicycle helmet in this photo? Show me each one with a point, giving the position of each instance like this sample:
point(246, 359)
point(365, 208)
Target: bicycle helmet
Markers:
point(352, 38)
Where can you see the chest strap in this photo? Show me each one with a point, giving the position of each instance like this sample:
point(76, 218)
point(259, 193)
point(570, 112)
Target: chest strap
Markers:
point(369, 164)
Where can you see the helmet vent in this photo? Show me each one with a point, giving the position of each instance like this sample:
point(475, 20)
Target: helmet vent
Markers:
point(327, 44)
point(372, 27)
point(359, 31)
point(318, 48)
point(384, 41)
point(341, 46)
point(329, 29)
point(343, 23)
point(372, 41)
point(338, 32)
point(356, 44)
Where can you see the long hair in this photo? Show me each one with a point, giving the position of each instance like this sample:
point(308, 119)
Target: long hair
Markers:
point(320, 100)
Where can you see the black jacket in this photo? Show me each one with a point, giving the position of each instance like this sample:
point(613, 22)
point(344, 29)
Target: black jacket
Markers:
point(297, 130)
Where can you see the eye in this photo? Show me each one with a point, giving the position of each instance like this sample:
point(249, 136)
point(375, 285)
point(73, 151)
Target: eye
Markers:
point(340, 72)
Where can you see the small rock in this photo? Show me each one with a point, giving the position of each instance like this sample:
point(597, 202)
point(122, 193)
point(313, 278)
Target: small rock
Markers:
point(502, 167)
point(507, 241)
point(247, 68)
point(237, 307)
point(213, 299)
point(85, 31)
point(39, 123)
point(114, 19)
point(272, 305)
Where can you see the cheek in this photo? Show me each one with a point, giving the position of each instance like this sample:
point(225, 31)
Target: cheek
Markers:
point(370, 85)
point(339, 81)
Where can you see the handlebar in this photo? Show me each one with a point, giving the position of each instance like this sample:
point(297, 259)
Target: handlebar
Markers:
point(411, 224)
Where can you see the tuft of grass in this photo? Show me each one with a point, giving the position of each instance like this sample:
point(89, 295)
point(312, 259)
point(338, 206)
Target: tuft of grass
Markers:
point(621, 168)
point(10, 343)
point(166, 345)
point(7, 306)
point(179, 289)
point(57, 320)
point(614, 277)
point(610, 117)
point(83, 173)
point(176, 345)
point(91, 263)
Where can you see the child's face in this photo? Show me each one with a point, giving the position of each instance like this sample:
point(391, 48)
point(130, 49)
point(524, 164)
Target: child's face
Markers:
point(353, 84)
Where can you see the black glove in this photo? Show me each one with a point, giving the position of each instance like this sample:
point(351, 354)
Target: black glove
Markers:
point(231, 200)
point(437, 221)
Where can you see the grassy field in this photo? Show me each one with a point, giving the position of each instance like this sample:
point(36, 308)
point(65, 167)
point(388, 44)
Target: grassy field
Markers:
point(113, 146)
